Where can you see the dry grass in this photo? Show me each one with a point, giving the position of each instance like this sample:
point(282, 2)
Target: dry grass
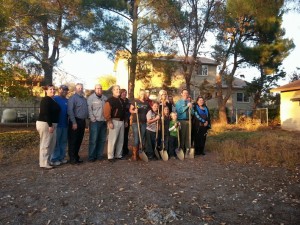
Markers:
point(18, 145)
point(262, 145)
point(232, 143)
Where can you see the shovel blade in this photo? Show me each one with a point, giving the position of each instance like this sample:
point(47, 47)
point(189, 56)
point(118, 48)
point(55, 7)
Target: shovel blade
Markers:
point(180, 154)
point(156, 153)
point(190, 152)
point(143, 156)
point(164, 155)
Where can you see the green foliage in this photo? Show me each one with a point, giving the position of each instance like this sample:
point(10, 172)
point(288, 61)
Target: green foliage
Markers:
point(11, 78)
point(266, 55)
point(129, 26)
point(296, 75)
point(35, 31)
point(274, 113)
point(187, 22)
point(259, 89)
point(249, 32)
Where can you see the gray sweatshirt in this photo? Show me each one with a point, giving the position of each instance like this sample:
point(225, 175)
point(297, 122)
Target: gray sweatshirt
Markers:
point(96, 106)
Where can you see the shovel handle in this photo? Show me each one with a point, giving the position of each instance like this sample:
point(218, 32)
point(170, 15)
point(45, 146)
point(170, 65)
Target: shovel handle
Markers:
point(190, 128)
point(162, 125)
point(138, 124)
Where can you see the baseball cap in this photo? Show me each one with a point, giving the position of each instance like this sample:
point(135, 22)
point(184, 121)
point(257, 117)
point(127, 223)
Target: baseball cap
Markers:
point(64, 87)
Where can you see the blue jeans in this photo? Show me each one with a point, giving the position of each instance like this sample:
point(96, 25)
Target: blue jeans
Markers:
point(136, 134)
point(59, 152)
point(97, 139)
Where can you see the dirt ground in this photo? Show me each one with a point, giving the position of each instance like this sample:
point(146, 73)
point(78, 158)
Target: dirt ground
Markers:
point(195, 191)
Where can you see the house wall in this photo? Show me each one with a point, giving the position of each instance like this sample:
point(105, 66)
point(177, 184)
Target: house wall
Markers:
point(121, 73)
point(241, 105)
point(178, 82)
point(289, 111)
point(211, 77)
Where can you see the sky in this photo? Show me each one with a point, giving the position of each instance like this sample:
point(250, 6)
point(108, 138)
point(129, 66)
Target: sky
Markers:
point(86, 68)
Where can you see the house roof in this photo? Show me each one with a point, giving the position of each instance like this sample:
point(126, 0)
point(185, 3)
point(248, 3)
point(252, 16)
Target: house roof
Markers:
point(203, 60)
point(237, 83)
point(293, 86)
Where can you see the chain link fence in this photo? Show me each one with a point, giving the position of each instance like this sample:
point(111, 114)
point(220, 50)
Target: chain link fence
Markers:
point(27, 115)
point(259, 116)
point(18, 115)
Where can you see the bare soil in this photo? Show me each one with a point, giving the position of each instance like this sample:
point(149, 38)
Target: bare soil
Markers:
point(195, 191)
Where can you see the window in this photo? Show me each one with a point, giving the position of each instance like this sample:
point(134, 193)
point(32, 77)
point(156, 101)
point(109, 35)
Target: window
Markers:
point(144, 66)
point(241, 97)
point(203, 70)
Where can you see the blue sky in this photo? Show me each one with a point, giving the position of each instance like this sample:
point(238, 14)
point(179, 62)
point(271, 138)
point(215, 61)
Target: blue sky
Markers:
point(88, 67)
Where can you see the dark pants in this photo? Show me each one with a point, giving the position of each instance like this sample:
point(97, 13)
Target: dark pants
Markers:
point(75, 139)
point(150, 143)
point(173, 144)
point(125, 143)
point(199, 134)
point(184, 135)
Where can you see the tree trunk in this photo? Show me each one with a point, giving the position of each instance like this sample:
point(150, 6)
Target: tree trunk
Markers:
point(222, 114)
point(48, 61)
point(188, 71)
point(134, 51)
point(256, 100)
point(48, 73)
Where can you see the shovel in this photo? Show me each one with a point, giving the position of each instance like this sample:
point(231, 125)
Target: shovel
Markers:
point(190, 152)
point(156, 139)
point(179, 151)
point(163, 153)
point(142, 154)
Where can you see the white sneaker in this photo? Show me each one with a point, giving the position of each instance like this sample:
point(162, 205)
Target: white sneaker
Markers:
point(47, 167)
point(57, 163)
point(64, 161)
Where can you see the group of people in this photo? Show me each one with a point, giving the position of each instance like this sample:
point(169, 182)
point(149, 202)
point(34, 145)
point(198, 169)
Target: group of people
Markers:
point(155, 124)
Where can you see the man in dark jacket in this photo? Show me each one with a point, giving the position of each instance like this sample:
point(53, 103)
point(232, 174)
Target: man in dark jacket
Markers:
point(114, 113)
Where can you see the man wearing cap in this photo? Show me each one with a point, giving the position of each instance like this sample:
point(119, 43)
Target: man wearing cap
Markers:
point(97, 124)
point(78, 113)
point(59, 153)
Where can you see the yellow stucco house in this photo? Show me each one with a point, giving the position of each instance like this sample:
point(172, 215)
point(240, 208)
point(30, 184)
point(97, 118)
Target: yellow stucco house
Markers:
point(289, 105)
point(155, 72)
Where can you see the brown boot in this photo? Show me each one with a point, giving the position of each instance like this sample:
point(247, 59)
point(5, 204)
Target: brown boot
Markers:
point(134, 153)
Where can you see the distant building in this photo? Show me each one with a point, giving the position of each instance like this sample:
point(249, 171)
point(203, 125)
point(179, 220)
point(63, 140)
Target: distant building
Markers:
point(155, 72)
point(289, 105)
